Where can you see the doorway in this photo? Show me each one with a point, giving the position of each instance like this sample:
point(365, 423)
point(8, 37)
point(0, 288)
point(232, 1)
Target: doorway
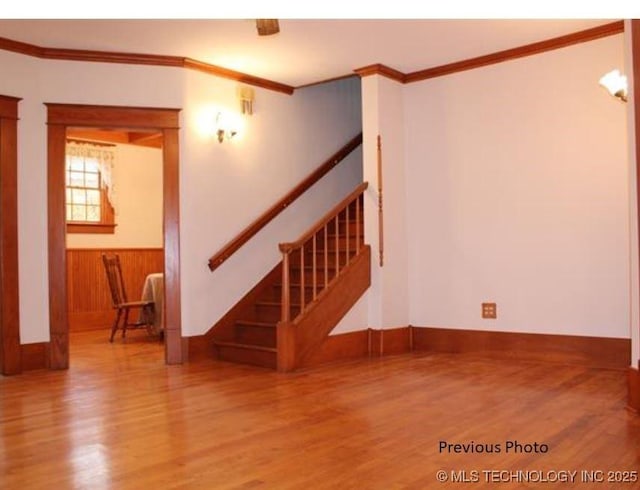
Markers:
point(10, 349)
point(60, 117)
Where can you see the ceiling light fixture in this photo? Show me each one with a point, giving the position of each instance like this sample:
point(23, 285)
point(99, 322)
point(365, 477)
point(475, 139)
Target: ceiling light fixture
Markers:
point(267, 27)
point(616, 84)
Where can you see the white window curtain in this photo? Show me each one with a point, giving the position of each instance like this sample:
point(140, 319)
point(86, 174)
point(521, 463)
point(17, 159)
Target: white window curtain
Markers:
point(104, 156)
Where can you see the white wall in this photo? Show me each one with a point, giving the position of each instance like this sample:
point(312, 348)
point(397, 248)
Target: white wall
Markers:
point(383, 115)
point(518, 193)
point(223, 186)
point(231, 184)
point(137, 200)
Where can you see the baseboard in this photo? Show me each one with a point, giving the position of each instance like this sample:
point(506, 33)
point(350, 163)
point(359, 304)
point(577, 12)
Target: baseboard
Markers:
point(196, 348)
point(35, 356)
point(341, 347)
point(601, 352)
point(633, 387)
point(390, 341)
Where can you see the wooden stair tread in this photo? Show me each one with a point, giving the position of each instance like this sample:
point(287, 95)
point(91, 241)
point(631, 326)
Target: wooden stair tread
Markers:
point(255, 323)
point(237, 345)
point(275, 303)
point(297, 285)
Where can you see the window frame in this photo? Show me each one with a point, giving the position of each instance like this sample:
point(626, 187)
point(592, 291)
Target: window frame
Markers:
point(107, 224)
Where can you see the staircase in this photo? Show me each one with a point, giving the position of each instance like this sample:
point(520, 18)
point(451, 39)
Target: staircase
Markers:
point(294, 307)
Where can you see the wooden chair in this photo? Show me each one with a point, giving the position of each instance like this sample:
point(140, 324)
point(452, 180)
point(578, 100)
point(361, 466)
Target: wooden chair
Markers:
point(120, 302)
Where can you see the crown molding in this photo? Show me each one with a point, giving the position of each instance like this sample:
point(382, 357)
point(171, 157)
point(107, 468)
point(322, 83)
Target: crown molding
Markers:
point(140, 59)
point(379, 69)
point(327, 80)
point(592, 34)
point(519, 52)
point(236, 75)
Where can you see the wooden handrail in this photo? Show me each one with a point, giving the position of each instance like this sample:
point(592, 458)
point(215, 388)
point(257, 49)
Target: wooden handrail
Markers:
point(245, 235)
point(289, 246)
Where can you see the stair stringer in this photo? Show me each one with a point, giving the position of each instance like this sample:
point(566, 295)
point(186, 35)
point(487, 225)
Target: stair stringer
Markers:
point(223, 329)
point(298, 339)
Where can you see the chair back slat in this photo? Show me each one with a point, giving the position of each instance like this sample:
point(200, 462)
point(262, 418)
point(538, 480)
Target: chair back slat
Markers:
point(114, 277)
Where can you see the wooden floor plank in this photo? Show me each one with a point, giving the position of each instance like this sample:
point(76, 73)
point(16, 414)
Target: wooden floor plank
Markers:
point(120, 419)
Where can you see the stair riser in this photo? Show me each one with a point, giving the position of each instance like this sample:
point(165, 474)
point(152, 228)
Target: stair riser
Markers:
point(271, 314)
point(247, 356)
point(276, 294)
point(263, 336)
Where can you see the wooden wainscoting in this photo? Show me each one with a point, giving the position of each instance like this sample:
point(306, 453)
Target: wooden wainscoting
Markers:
point(88, 297)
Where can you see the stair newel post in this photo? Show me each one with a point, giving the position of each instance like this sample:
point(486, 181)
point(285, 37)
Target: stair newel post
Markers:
point(285, 332)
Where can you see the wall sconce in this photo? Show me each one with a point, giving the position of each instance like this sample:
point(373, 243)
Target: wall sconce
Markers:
point(246, 95)
point(616, 84)
point(223, 129)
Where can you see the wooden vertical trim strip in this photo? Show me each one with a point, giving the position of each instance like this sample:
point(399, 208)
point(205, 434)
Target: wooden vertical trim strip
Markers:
point(633, 387)
point(171, 207)
point(633, 379)
point(380, 212)
point(58, 316)
point(635, 50)
point(10, 350)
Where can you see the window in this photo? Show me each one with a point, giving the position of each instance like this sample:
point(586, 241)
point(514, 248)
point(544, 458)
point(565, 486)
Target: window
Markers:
point(83, 190)
point(88, 188)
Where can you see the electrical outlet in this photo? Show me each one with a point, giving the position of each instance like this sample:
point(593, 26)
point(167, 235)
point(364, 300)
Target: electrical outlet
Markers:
point(489, 310)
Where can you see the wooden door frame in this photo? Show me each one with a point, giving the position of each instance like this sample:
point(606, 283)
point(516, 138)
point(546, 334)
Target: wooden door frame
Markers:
point(10, 350)
point(59, 118)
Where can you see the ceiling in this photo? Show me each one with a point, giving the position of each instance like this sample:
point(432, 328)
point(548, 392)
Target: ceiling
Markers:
point(305, 51)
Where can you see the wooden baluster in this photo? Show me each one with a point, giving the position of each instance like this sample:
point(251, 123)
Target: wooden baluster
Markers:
point(301, 278)
point(326, 256)
point(357, 225)
point(286, 293)
point(336, 224)
point(348, 225)
point(315, 278)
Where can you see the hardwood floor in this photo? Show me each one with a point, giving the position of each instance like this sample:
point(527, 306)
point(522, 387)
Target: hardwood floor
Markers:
point(120, 419)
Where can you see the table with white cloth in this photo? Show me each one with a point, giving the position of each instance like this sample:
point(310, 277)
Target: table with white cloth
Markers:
point(153, 290)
